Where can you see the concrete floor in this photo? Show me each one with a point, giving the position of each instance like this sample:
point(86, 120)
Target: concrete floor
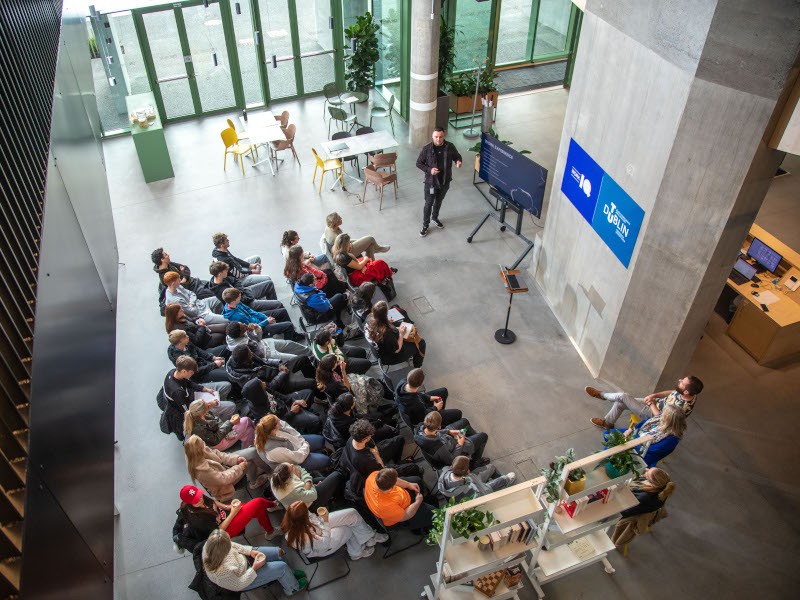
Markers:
point(733, 525)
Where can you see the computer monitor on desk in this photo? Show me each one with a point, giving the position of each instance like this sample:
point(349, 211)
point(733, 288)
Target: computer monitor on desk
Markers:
point(764, 255)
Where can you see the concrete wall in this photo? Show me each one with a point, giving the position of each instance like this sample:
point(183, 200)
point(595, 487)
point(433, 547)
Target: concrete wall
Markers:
point(673, 101)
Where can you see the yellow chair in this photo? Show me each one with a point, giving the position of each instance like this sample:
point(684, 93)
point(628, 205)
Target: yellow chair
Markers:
point(235, 147)
point(242, 135)
point(634, 420)
point(332, 164)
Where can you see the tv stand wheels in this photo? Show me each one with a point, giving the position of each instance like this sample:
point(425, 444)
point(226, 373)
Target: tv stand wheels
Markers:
point(503, 228)
point(469, 240)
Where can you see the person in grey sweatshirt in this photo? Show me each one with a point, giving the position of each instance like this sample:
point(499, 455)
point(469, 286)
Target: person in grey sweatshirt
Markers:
point(457, 481)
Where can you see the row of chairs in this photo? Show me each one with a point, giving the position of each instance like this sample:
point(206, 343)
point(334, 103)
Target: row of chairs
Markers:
point(333, 102)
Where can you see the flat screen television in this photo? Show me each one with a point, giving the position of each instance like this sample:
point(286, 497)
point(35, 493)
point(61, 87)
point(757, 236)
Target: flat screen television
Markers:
point(764, 255)
point(514, 175)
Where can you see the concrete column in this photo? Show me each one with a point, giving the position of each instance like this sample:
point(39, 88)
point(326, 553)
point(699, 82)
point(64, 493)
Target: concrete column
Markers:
point(424, 70)
point(676, 101)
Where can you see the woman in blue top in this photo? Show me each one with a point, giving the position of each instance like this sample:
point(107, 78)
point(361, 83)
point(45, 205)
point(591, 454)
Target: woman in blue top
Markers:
point(667, 430)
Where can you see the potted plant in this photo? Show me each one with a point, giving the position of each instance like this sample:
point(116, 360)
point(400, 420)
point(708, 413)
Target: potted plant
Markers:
point(463, 524)
point(576, 480)
point(552, 474)
point(361, 36)
point(462, 90)
point(621, 462)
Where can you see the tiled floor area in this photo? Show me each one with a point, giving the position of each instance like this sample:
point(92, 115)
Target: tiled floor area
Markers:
point(733, 525)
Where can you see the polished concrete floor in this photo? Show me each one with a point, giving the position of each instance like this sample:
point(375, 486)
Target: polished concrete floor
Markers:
point(733, 525)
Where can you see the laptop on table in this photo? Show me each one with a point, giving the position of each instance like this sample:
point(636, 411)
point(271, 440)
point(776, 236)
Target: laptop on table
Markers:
point(742, 272)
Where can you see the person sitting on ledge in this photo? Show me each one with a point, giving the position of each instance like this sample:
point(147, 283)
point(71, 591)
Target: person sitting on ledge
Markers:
point(291, 239)
point(683, 397)
point(194, 307)
point(276, 324)
point(365, 245)
point(258, 296)
point(358, 269)
point(388, 497)
point(162, 264)
point(459, 482)
point(415, 404)
point(667, 430)
point(317, 302)
point(203, 335)
point(442, 446)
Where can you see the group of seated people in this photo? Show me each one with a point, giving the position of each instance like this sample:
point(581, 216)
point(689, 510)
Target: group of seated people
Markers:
point(307, 424)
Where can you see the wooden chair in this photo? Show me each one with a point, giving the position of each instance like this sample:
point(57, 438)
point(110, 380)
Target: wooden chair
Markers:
point(287, 144)
point(332, 164)
point(386, 160)
point(342, 118)
point(380, 179)
point(380, 112)
point(235, 147)
point(283, 118)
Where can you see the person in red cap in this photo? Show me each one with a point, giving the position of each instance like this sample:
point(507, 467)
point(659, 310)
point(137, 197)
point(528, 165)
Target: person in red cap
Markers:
point(203, 514)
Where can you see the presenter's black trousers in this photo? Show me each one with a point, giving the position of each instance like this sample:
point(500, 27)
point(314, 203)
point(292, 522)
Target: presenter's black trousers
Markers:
point(433, 203)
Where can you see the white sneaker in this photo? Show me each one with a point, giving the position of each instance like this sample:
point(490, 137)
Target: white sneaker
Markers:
point(512, 477)
point(379, 538)
point(368, 551)
point(271, 535)
point(177, 548)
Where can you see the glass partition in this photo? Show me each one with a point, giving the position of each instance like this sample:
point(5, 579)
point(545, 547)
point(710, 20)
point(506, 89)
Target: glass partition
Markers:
point(388, 13)
point(473, 21)
point(248, 55)
point(515, 34)
point(212, 69)
point(316, 44)
point(552, 27)
point(276, 32)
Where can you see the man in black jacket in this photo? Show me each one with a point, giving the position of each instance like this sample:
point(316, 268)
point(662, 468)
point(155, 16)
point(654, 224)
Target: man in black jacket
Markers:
point(247, 270)
point(441, 446)
point(243, 366)
point(259, 296)
point(414, 404)
point(435, 160)
point(179, 389)
point(163, 264)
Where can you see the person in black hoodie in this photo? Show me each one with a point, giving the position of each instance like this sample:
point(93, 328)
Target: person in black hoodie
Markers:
point(243, 366)
point(415, 404)
point(292, 408)
point(162, 264)
point(341, 417)
point(248, 271)
point(209, 367)
point(258, 296)
point(441, 446)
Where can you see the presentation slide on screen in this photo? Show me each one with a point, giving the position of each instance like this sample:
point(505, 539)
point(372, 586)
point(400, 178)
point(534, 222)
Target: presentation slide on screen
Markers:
point(514, 175)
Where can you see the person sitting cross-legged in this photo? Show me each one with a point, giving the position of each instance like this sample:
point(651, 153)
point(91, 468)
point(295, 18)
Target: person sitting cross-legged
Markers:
point(441, 446)
point(226, 564)
point(415, 404)
point(317, 536)
point(258, 296)
point(236, 310)
point(251, 335)
point(244, 366)
point(355, 358)
point(291, 483)
point(459, 482)
point(389, 499)
point(364, 245)
point(193, 307)
point(318, 304)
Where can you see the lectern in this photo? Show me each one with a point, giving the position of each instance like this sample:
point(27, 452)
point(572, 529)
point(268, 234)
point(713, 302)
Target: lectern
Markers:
point(510, 280)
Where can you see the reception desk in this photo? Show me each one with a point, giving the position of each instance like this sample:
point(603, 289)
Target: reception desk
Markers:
point(774, 336)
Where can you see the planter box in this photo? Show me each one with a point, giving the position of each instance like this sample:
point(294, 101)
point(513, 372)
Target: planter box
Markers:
point(464, 104)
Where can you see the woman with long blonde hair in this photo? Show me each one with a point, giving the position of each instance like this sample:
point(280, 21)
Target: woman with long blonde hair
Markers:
point(226, 564)
point(667, 430)
point(651, 490)
point(364, 245)
point(359, 268)
point(219, 472)
point(216, 433)
point(278, 442)
point(317, 536)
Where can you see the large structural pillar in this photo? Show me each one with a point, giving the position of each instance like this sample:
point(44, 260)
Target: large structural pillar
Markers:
point(424, 70)
point(676, 102)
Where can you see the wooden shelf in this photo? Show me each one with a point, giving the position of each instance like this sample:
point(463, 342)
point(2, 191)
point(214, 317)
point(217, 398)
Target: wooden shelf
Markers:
point(468, 559)
point(597, 479)
point(515, 507)
point(596, 511)
point(561, 559)
point(467, 593)
point(555, 538)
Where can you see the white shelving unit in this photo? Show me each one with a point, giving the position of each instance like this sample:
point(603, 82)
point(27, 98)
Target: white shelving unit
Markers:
point(549, 555)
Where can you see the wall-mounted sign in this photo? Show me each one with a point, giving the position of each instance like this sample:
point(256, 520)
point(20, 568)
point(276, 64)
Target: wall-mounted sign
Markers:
point(612, 213)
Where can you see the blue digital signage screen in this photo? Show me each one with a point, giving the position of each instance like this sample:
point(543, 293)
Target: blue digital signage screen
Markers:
point(514, 175)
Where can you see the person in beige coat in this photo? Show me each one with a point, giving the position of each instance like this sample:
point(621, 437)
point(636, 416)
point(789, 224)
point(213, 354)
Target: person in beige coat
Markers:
point(219, 472)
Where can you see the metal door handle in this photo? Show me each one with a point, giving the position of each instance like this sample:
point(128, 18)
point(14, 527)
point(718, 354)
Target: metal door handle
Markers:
point(173, 78)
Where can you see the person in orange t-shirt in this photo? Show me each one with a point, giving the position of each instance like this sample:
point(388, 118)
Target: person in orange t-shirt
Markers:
point(389, 499)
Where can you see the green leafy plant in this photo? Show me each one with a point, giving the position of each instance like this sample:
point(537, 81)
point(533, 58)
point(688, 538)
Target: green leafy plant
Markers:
point(552, 485)
point(447, 52)
point(486, 82)
point(569, 457)
point(462, 85)
point(463, 524)
point(623, 462)
point(477, 147)
point(360, 73)
point(94, 52)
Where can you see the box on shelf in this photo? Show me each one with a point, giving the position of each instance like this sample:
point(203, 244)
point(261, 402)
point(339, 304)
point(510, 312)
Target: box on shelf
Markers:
point(513, 576)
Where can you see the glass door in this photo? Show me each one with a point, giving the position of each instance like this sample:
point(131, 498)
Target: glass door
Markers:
point(553, 22)
point(185, 46)
point(277, 41)
point(315, 37)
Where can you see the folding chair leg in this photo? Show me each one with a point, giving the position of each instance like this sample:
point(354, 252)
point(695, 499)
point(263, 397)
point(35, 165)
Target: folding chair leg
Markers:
point(364, 192)
point(380, 204)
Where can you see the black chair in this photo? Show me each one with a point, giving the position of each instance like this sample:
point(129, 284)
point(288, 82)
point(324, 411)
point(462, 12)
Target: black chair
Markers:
point(364, 131)
point(340, 135)
point(395, 528)
point(309, 560)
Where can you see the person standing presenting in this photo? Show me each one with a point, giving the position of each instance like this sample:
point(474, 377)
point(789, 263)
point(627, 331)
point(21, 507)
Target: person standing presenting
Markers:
point(435, 160)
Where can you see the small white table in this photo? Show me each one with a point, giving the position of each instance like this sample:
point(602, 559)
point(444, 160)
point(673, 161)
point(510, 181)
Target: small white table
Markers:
point(261, 129)
point(358, 144)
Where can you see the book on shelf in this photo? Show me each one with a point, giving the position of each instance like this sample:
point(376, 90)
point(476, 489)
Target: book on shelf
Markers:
point(575, 507)
point(496, 540)
point(582, 548)
point(513, 576)
point(532, 533)
point(524, 529)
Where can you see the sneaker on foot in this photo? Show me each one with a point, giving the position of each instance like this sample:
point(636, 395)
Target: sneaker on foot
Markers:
point(601, 423)
point(512, 477)
point(270, 535)
point(368, 551)
point(380, 538)
point(383, 249)
point(423, 232)
point(438, 223)
point(177, 548)
point(593, 392)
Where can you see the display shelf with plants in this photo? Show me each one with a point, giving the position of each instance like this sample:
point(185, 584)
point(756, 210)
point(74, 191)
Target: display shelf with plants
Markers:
point(561, 559)
point(465, 591)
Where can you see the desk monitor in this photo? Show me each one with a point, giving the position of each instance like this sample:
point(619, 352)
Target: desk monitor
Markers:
point(764, 255)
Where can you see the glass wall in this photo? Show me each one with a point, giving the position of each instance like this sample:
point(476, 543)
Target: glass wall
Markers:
point(243, 28)
point(316, 44)
point(389, 13)
point(515, 35)
point(473, 25)
point(276, 29)
point(552, 27)
point(212, 69)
